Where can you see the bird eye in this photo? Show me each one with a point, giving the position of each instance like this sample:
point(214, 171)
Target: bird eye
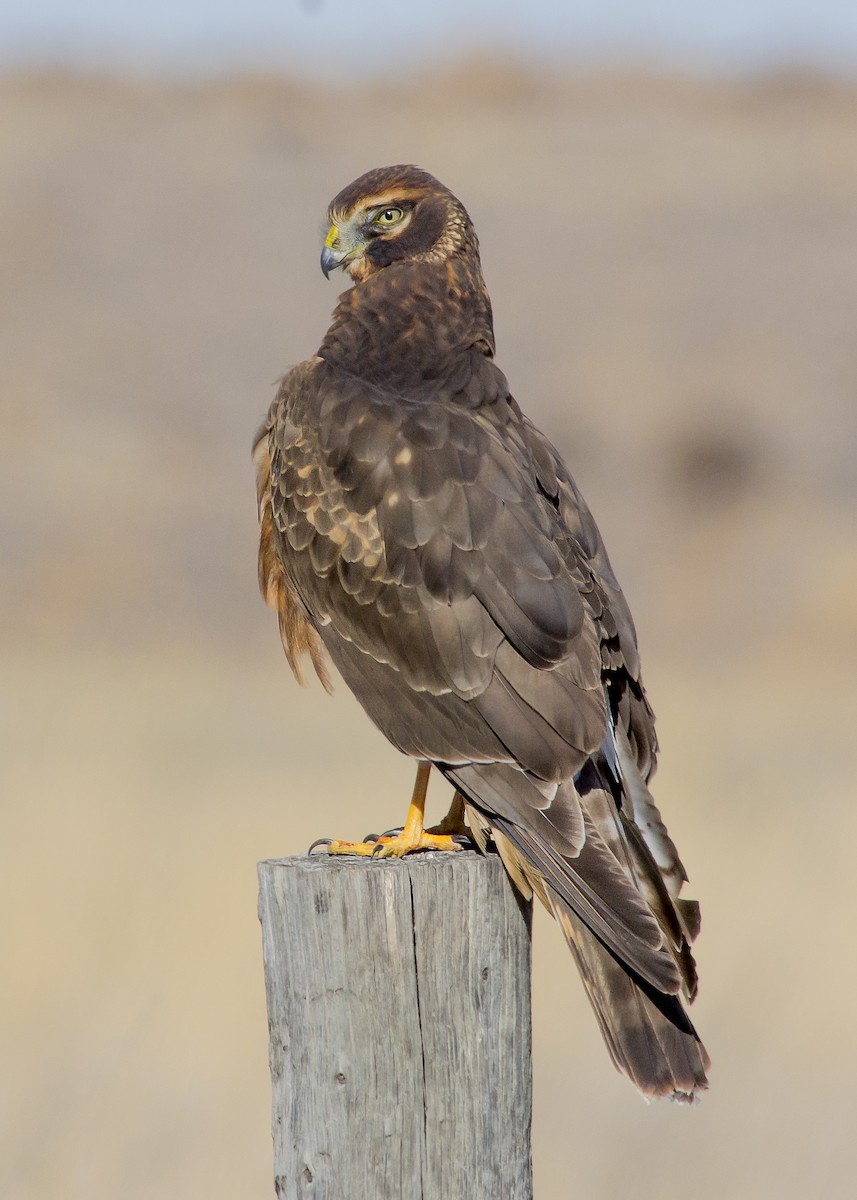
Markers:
point(389, 216)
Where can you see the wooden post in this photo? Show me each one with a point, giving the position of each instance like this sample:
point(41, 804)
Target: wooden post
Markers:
point(399, 1017)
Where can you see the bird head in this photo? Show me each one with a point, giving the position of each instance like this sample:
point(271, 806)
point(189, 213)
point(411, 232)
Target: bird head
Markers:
point(391, 215)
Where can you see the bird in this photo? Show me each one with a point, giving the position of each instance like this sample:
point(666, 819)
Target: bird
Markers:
point(420, 534)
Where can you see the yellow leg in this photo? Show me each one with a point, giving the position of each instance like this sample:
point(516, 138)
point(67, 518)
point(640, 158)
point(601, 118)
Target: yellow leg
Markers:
point(454, 821)
point(413, 836)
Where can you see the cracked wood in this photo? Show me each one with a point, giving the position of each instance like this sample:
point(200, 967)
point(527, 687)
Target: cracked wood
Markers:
point(399, 1016)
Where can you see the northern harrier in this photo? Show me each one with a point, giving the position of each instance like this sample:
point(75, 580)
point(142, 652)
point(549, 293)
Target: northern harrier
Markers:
point(421, 532)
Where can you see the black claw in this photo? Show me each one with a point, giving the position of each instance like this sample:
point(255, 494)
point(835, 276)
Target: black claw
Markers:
point(319, 842)
point(461, 839)
point(371, 837)
point(393, 832)
point(379, 847)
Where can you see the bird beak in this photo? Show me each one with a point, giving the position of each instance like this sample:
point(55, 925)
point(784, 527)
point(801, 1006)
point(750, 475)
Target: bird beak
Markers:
point(332, 256)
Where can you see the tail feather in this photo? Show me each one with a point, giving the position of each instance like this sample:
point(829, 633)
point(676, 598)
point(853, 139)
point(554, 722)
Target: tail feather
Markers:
point(647, 1031)
point(590, 881)
point(677, 919)
point(649, 1035)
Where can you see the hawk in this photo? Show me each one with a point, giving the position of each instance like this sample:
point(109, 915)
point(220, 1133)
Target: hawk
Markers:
point(420, 533)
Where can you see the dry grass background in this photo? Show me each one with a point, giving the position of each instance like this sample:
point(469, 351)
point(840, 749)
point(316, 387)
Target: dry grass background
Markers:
point(674, 273)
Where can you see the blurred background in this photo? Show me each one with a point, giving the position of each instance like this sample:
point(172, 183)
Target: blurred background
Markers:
point(666, 197)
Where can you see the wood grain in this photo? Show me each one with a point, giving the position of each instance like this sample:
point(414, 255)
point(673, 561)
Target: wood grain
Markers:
point(399, 1017)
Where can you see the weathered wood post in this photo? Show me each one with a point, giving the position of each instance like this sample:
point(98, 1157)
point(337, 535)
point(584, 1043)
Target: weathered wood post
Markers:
point(399, 1017)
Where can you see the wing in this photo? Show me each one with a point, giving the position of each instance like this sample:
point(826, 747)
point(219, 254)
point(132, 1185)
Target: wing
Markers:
point(438, 548)
point(415, 536)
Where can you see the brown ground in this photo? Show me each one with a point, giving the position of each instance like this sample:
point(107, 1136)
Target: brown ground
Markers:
point(674, 272)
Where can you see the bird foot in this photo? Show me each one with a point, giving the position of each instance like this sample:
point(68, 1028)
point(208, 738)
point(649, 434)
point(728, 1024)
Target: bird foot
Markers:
point(451, 834)
point(449, 825)
point(397, 846)
point(408, 843)
point(454, 822)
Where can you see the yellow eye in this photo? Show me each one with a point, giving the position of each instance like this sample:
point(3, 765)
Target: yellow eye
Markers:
point(388, 216)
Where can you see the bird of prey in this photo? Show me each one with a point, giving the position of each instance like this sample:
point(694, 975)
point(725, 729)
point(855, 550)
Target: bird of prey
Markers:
point(420, 533)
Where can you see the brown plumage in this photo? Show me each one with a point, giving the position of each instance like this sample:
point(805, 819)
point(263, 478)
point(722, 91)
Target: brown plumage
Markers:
point(420, 530)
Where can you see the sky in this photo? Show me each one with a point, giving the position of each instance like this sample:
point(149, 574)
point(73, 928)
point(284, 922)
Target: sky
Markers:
point(330, 37)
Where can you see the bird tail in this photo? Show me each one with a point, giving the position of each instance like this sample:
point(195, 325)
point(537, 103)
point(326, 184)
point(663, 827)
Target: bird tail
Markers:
point(647, 1031)
point(648, 1034)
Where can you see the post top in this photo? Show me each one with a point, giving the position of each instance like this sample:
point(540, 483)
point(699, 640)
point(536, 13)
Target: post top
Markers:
point(341, 862)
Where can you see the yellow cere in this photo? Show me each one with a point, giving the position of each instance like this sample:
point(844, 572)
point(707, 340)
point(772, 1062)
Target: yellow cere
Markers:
point(332, 237)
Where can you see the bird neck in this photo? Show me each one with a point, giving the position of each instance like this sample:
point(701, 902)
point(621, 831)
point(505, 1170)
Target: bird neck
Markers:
point(412, 323)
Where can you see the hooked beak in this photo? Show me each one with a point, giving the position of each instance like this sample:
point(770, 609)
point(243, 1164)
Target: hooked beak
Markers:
point(332, 256)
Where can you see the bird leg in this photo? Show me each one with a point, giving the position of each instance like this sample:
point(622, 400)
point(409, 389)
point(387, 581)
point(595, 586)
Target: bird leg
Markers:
point(453, 822)
point(413, 836)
